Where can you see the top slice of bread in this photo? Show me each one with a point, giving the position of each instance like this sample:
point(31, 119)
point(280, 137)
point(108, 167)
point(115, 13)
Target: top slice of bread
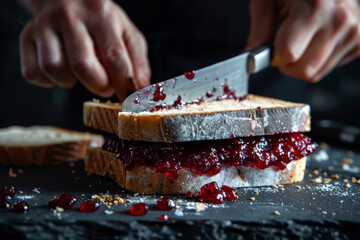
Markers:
point(254, 116)
point(40, 145)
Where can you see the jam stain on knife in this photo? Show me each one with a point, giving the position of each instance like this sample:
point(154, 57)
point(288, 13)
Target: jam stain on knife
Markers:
point(189, 75)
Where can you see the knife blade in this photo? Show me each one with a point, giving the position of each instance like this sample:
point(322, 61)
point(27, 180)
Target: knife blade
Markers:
point(206, 84)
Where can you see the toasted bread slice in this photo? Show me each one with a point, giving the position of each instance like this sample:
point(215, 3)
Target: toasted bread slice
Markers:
point(143, 179)
point(254, 116)
point(41, 145)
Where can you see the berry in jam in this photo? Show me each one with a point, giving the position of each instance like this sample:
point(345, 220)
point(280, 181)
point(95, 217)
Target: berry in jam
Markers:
point(20, 207)
point(159, 94)
point(208, 157)
point(189, 75)
point(8, 191)
point(65, 201)
point(4, 203)
point(89, 206)
point(165, 203)
point(139, 209)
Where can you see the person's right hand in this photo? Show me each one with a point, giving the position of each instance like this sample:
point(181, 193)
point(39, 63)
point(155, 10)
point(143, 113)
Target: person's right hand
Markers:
point(92, 41)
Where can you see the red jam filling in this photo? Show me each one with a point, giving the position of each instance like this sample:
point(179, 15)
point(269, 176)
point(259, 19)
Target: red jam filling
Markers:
point(139, 209)
point(7, 191)
point(208, 157)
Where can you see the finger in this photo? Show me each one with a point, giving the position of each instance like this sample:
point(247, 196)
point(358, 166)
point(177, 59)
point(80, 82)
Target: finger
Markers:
point(342, 50)
point(354, 53)
point(294, 35)
point(52, 60)
point(29, 67)
point(137, 48)
point(114, 56)
point(81, 55)
point(262, 18)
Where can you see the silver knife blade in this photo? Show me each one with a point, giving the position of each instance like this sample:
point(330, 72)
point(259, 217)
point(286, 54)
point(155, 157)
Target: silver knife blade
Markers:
point(208, 83)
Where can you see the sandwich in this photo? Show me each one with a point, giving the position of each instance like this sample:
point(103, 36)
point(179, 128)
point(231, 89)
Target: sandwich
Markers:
point(247, 142)
point(43, 145)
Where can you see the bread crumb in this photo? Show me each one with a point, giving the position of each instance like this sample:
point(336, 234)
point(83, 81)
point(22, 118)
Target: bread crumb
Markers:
point(336, 183)
point(358, 181)
point(316, 172)
point(326, 180)
point(108, 212)
point(59, 209)
point(274, 186)
point(20, 171)
point(348, 161)
point(309, 175)
point(325, 174)
point(199, 206)
point(95, 100)
point(317, 180)
point(256, 193)
point(335, 176)
point(281, 185)
point(307, 186)
point(350, 153)
point(71, 164)
point(12, 173)
point(277, 213)
point(345, 180)
point(252, 198)
point(21, 191)
point(73, 171)
point(297, 186)
point(353, 180)
point(347, 185)
point(90, 185)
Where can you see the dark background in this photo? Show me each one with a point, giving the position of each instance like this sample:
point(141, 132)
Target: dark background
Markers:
point(182, 35)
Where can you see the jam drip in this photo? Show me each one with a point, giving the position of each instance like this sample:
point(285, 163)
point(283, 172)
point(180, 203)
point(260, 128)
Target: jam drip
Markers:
point(208, 157)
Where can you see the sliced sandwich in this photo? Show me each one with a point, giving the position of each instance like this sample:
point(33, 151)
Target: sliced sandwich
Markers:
point(256, 141)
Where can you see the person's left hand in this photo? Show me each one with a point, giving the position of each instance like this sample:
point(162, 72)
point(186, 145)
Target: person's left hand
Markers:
point(314, 36)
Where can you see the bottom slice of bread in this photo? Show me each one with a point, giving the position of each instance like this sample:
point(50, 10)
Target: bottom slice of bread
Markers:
point(143, 179)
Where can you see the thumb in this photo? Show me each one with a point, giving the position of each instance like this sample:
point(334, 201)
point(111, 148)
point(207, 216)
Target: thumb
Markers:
point(262, 18)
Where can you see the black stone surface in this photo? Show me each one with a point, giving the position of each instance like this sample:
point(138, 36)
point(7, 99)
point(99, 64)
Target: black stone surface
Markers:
point(316, 211)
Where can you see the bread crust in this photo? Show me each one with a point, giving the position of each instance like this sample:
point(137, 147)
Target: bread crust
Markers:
point(51, 152)
point(272, 117)
point(146, 180)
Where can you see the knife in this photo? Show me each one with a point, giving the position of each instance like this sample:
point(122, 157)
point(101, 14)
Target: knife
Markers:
point(206, 84)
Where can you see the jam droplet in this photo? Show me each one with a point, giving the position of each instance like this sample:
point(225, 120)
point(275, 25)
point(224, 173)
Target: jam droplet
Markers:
point(165, 203)
point(189, 75)
point(89, 206)
point(139, 209)
point(231, 193)
point(4, 203)
point(20, 207)
point(8, 191)
point(164, 217)
point(210, 193)
point(65, 201)
point(211, 93)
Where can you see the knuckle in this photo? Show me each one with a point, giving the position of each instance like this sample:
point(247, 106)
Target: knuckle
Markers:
point(50, 67)
point(81, 65)
point(98, 4)
point(64, 10)
point(29, 74)
point(115, 55)
point(288, 54)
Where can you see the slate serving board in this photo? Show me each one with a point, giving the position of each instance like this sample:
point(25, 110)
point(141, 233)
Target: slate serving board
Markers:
point(316, 211)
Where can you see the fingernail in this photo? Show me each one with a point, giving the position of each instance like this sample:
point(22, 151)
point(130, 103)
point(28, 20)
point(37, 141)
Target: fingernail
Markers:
point(133, 86)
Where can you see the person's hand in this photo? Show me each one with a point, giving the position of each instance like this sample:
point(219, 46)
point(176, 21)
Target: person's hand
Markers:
point(314, 36)
point(92, 41)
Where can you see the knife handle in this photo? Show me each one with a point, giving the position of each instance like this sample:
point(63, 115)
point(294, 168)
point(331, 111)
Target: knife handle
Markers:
point(258, 59)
